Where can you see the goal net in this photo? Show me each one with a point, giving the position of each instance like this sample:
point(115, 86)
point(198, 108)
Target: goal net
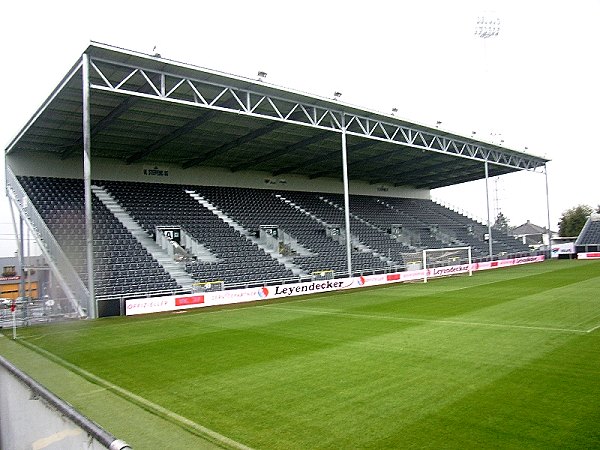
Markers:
point(208, 286)
point(439, 262)
point(323, 275)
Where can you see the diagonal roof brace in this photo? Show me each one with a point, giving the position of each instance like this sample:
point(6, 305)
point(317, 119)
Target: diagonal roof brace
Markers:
point(410, 167)
point(230, 145)
point(305, 163)
point(298, 145)
point(191, 125)
point(454, 177)
point(372, 159)
point(439, 168)
point(106, 121)
point(320, 159)
point(352, 148)
point(102, 125)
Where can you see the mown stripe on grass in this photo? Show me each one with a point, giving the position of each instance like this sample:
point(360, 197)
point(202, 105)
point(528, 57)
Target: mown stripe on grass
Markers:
point(457, 302)
point(424, 320)
point(547, 402)
point(141, 401)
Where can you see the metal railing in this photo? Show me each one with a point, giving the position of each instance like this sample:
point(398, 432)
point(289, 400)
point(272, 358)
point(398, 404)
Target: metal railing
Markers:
point(64, 410)
point(62, 268)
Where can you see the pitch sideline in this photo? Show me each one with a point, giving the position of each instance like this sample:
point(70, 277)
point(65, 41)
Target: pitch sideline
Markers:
point(141, 401)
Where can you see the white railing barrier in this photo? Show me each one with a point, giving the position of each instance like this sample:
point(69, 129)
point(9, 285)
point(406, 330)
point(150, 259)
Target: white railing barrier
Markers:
point(61, 267)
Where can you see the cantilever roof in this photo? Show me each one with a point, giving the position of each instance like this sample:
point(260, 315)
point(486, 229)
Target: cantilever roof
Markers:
point(147, 108)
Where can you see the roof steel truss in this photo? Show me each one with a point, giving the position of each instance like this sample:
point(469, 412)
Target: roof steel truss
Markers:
point(125, 79)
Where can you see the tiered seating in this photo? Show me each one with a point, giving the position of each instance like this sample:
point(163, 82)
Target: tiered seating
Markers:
point(419, 216)
point(253, 208)
point(240, 261)
point(591, 235)
point(121, 264)
point(380, 213)
point(460, 224)
point(428, 217)
point(589, 239)
point(329, 207)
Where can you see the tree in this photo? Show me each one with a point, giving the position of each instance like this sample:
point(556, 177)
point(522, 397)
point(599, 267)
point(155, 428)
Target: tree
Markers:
point(573, 219)
point(501, 223)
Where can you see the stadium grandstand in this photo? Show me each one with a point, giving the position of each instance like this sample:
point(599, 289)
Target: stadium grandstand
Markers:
point(194, 179)
point(588, 240)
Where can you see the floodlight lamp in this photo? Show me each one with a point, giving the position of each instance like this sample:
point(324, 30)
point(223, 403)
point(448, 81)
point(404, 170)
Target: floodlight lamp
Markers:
point(438, 123)
point(262, 74)
point(487, 28)
point(394, 111)
point(337, 94)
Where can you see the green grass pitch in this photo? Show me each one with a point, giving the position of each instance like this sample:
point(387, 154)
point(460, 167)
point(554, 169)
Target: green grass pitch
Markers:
point(508, 358)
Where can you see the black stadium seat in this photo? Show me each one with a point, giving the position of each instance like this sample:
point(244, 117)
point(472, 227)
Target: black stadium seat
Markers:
point(124, 266)
point(60, 201)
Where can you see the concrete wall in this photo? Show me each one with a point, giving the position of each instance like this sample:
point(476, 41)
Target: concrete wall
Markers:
point(48, 165)
point(31, 417)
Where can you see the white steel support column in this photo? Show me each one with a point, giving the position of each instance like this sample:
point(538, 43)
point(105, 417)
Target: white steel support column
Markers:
point(21, 259)
point(14, 221)
point(87, 166)
point(19, 239)
point(487, 199)
point(548, 212)
point(346, 199)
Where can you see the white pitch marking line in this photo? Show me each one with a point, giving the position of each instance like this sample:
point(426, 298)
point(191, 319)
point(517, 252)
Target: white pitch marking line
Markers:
point(139, 400)
point(589, 319)
point(201, 312)
point(93, 392)
point(414, 319)
point(593, 329)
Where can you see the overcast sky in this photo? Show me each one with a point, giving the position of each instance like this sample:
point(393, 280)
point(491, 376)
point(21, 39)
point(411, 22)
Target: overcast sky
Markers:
point(535, 85)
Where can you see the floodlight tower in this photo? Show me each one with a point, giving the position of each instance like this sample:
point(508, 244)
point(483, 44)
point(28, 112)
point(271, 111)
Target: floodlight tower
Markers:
point(485, 29)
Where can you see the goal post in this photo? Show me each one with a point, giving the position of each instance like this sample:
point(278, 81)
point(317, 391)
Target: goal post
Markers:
point(322, 275)
point(447, 261)
point(208, 286)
